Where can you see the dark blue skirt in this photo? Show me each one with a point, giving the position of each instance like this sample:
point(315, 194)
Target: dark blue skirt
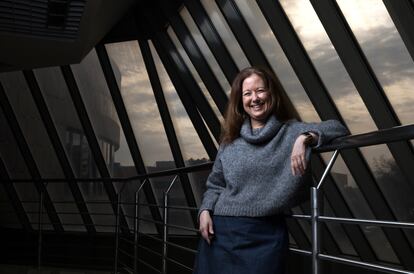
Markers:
point(244, 245)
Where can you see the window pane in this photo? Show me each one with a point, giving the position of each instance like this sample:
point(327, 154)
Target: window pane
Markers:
point(360, 209)
point(62, 111)
point(139, 100)
point(323, 55)
point(16, 169)
point(103, 116)
point(277, 59)
point(225, 33)
point(385, 50)
point(396, 189)
point(205, 50)
point(40, 145)
point(190, 143)
point(193, 71)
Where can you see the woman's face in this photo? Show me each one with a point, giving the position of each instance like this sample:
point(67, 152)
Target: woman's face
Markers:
point(256, 100)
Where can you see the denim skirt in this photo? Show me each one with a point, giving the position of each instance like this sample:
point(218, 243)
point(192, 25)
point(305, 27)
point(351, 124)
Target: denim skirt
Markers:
point(244, 245)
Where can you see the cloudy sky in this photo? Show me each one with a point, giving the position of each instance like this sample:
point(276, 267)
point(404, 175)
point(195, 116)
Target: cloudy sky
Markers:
point(370, 22)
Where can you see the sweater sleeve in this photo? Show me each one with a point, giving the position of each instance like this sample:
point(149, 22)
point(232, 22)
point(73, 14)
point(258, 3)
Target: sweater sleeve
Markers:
point(215, 185)
point(326, 130)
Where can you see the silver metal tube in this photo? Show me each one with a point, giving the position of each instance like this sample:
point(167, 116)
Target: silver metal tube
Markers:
point(369, 222)
point(315, 230)
point(136, 224)
point(165, 230)
point(364, 265)
point(136, 231)
point(328, 168)
point(39, 240)
point(300, 251)
point(117, 233)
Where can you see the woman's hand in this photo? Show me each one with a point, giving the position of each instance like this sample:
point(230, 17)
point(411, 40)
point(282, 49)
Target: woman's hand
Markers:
point(206, 226)
point(298, 160)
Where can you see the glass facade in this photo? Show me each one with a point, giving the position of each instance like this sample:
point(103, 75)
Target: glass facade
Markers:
point(79, 172)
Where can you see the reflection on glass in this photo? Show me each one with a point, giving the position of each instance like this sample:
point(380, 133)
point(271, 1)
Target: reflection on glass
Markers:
point(194, 72)
point(198, 184)
point(136, 91)
point(62, 111)
point(208, 55)
point(225, 33)
point(103, 116)
point(395, 188)
point(176, 198)
point(192, 149)
point(277, 59)
point(40, 145)
point(338, 232)
point(16, 169)
point(360, 209)
point(385, 50)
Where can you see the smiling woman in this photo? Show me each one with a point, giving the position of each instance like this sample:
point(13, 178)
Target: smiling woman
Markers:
point(260, 171)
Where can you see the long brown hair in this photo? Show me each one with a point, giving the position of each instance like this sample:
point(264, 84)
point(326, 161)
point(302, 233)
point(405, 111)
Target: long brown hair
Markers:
point(235, 114)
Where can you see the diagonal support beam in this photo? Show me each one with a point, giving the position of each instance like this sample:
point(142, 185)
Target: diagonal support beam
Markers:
point(93, 143)
point(127, 128)
point(29, 160)
point(59, 149)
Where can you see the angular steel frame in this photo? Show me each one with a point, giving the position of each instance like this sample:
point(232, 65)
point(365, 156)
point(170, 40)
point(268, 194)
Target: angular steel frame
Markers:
point(195, 55)
point(93, 143)
point(14, 198)
point(59, 149)
point(187, 101)
point(381, 111)
point(127, 128)
point(320, 98)
point(212, 38)
point(168, 125)
point(29, 160)
point(402, 13)
point(185, 77)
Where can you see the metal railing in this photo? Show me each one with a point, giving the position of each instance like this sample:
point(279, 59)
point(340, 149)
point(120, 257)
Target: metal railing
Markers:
point(396, 134)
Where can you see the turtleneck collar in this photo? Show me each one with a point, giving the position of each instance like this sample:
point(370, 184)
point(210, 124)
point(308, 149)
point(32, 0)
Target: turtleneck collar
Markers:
point(266, 133)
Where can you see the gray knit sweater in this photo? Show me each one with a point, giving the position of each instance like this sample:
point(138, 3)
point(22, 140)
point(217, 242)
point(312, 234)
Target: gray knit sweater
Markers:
point(252, 175)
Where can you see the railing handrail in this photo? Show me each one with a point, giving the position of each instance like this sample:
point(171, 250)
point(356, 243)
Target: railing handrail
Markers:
point(382, 136)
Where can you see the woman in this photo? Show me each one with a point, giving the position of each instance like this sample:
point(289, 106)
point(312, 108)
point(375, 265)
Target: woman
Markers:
point(260, 170)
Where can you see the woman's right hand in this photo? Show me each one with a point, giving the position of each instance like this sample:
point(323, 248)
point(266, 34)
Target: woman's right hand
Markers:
point(206, 226)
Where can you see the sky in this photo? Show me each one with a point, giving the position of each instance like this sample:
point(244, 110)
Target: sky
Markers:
point(371, 24)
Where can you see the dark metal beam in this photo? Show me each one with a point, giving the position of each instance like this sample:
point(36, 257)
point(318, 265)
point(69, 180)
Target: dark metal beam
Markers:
point(195, 55)
point(59, 149)
point(93, 142)
point(212, 39)
point(127, 128)
point(319, 96)
point(14, 198)
point(243, 33)
point(187, 101)
point(191, 89)
point(168, 125)
point(29, 160)
point(381, 111)
point(402, 13)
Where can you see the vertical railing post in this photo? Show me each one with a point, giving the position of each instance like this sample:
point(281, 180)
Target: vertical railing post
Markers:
point(118, 209)
point(39, 240)
point(316, 243)
point(165, 230)
point(136, 225)
point(315, 230)
point(136, 231)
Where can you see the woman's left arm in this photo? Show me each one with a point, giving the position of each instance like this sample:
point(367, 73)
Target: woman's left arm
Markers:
point(313, 134)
